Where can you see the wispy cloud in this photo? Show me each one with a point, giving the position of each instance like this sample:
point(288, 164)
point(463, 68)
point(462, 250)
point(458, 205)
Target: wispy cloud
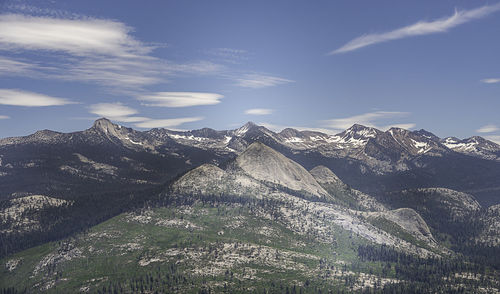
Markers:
point(180, 99)
point(419, 28)
point(487, 129)
point(85, 49)
point(73, 36)
point(121, 113)
point(167, 123)
point(10, 66)
point(4, 117)
point(370, 119)
point(229, 55)
point(29, 99)
point(104, 52)
point(491, 81)
point(259, 111)
point(260, 81)
point(116, 112)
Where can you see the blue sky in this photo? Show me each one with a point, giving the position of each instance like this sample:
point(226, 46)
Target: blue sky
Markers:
point(306, 64)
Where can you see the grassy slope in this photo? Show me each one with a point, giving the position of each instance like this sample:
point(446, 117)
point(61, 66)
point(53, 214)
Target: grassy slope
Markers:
point(226, 246)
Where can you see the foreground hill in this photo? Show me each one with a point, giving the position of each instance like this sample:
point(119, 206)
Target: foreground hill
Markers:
point(227, 230)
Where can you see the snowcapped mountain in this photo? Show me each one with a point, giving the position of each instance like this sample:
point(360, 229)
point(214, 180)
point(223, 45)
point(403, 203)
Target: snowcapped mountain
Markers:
point(474, 146)
point(392, 160)
point(235, 193)
point(357, 142)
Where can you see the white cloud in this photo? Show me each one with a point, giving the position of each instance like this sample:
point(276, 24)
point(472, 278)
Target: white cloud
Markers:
point(24, 98)
point(122, 113)
point(111, 109)
point(167, 123)
point(4, 117)
point(74, 36)
point(89, 50)
point(419, 28)
point(259, 111)
point(116, 112)
point(180, 99)
point(490, 81)
point(487, 129)
point(260, 81)
point(370, 119)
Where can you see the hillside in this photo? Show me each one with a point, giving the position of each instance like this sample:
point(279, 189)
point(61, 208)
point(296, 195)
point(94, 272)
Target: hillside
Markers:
point(226, 230)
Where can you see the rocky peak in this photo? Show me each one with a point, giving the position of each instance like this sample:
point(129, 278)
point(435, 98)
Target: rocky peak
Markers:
point(290, 133)
point(426, 134)
point(105, 125)
point(360, 131)
point(245, 128)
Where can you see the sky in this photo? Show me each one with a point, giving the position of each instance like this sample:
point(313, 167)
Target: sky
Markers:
point(318, 65)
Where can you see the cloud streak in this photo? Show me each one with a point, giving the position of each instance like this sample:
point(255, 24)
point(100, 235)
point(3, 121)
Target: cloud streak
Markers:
point(167, 123)
point(257, 81)
point(116, 111)
point(102, 52)
point(16, 97)
point(370, 119)
point(89, 50)
point(121, 113)
point(419, 28)
point(487, 129)
point(491, 81)
point(180, 99)
point(73, 36)
point(259, 111)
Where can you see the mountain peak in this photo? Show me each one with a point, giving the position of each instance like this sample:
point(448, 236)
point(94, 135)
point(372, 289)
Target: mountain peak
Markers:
point(104, 124)
point(250, 124)
point(358, 127)
point(289, 132)
point(358, 134)
point(245, 128)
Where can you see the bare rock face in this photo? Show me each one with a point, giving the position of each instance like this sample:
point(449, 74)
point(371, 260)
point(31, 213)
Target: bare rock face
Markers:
point(410, 221)
point(268, 165)
point(209, 179)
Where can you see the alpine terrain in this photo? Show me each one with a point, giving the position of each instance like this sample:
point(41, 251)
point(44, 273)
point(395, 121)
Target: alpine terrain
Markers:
point(115, 210)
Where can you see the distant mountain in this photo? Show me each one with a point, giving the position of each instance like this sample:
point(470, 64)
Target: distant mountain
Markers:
point(474, 146)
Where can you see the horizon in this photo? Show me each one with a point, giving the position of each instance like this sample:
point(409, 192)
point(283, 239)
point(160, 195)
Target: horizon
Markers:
point(247, 123)
point(320, 67)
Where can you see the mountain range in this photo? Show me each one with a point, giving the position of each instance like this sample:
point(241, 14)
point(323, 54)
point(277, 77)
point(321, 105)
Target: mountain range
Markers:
point(115, 210)
point(368, 159)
